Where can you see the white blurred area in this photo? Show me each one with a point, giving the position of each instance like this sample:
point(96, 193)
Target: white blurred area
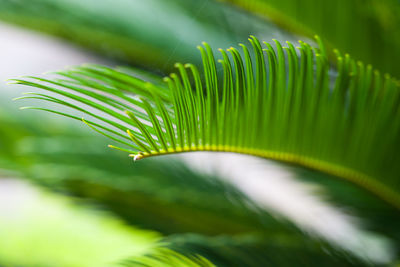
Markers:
point(272, 187)
point(275, 189)
point(25, 52)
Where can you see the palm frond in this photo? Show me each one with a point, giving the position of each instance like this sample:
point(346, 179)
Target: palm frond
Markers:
point(280, 104)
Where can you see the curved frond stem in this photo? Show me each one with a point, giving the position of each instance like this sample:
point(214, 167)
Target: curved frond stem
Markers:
point(367, 182)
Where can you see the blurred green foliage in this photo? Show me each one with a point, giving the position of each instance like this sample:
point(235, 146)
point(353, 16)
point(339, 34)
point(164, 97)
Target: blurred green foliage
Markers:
point(153, 34)
point(369, 30)
point(204, 221)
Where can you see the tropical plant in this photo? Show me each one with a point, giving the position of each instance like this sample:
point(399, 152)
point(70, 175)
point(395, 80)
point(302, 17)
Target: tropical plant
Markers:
point(265, 111)
point(302, 105)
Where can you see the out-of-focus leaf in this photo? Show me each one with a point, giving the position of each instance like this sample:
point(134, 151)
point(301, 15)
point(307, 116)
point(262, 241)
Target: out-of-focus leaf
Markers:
point(367, 29)
point(40, 229)
point(248, 250)
point(152, 33)
point(374, 214)
point(164, 257)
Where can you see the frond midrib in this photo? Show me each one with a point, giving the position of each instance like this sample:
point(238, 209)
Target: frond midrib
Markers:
point(363, 180)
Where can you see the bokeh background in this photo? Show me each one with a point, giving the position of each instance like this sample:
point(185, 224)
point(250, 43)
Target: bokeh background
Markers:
point(68, 200)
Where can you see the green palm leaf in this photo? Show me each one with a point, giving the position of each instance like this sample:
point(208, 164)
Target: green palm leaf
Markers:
point(279, 104)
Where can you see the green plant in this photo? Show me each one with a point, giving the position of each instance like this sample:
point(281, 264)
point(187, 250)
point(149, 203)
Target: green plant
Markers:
point(303, 106)
point(265, 111)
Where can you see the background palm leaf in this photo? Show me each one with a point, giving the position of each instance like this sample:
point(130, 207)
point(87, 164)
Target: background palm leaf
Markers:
point(126, 30)
point(359, 27)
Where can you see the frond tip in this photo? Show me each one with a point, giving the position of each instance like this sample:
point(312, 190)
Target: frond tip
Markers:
point(275, 102)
